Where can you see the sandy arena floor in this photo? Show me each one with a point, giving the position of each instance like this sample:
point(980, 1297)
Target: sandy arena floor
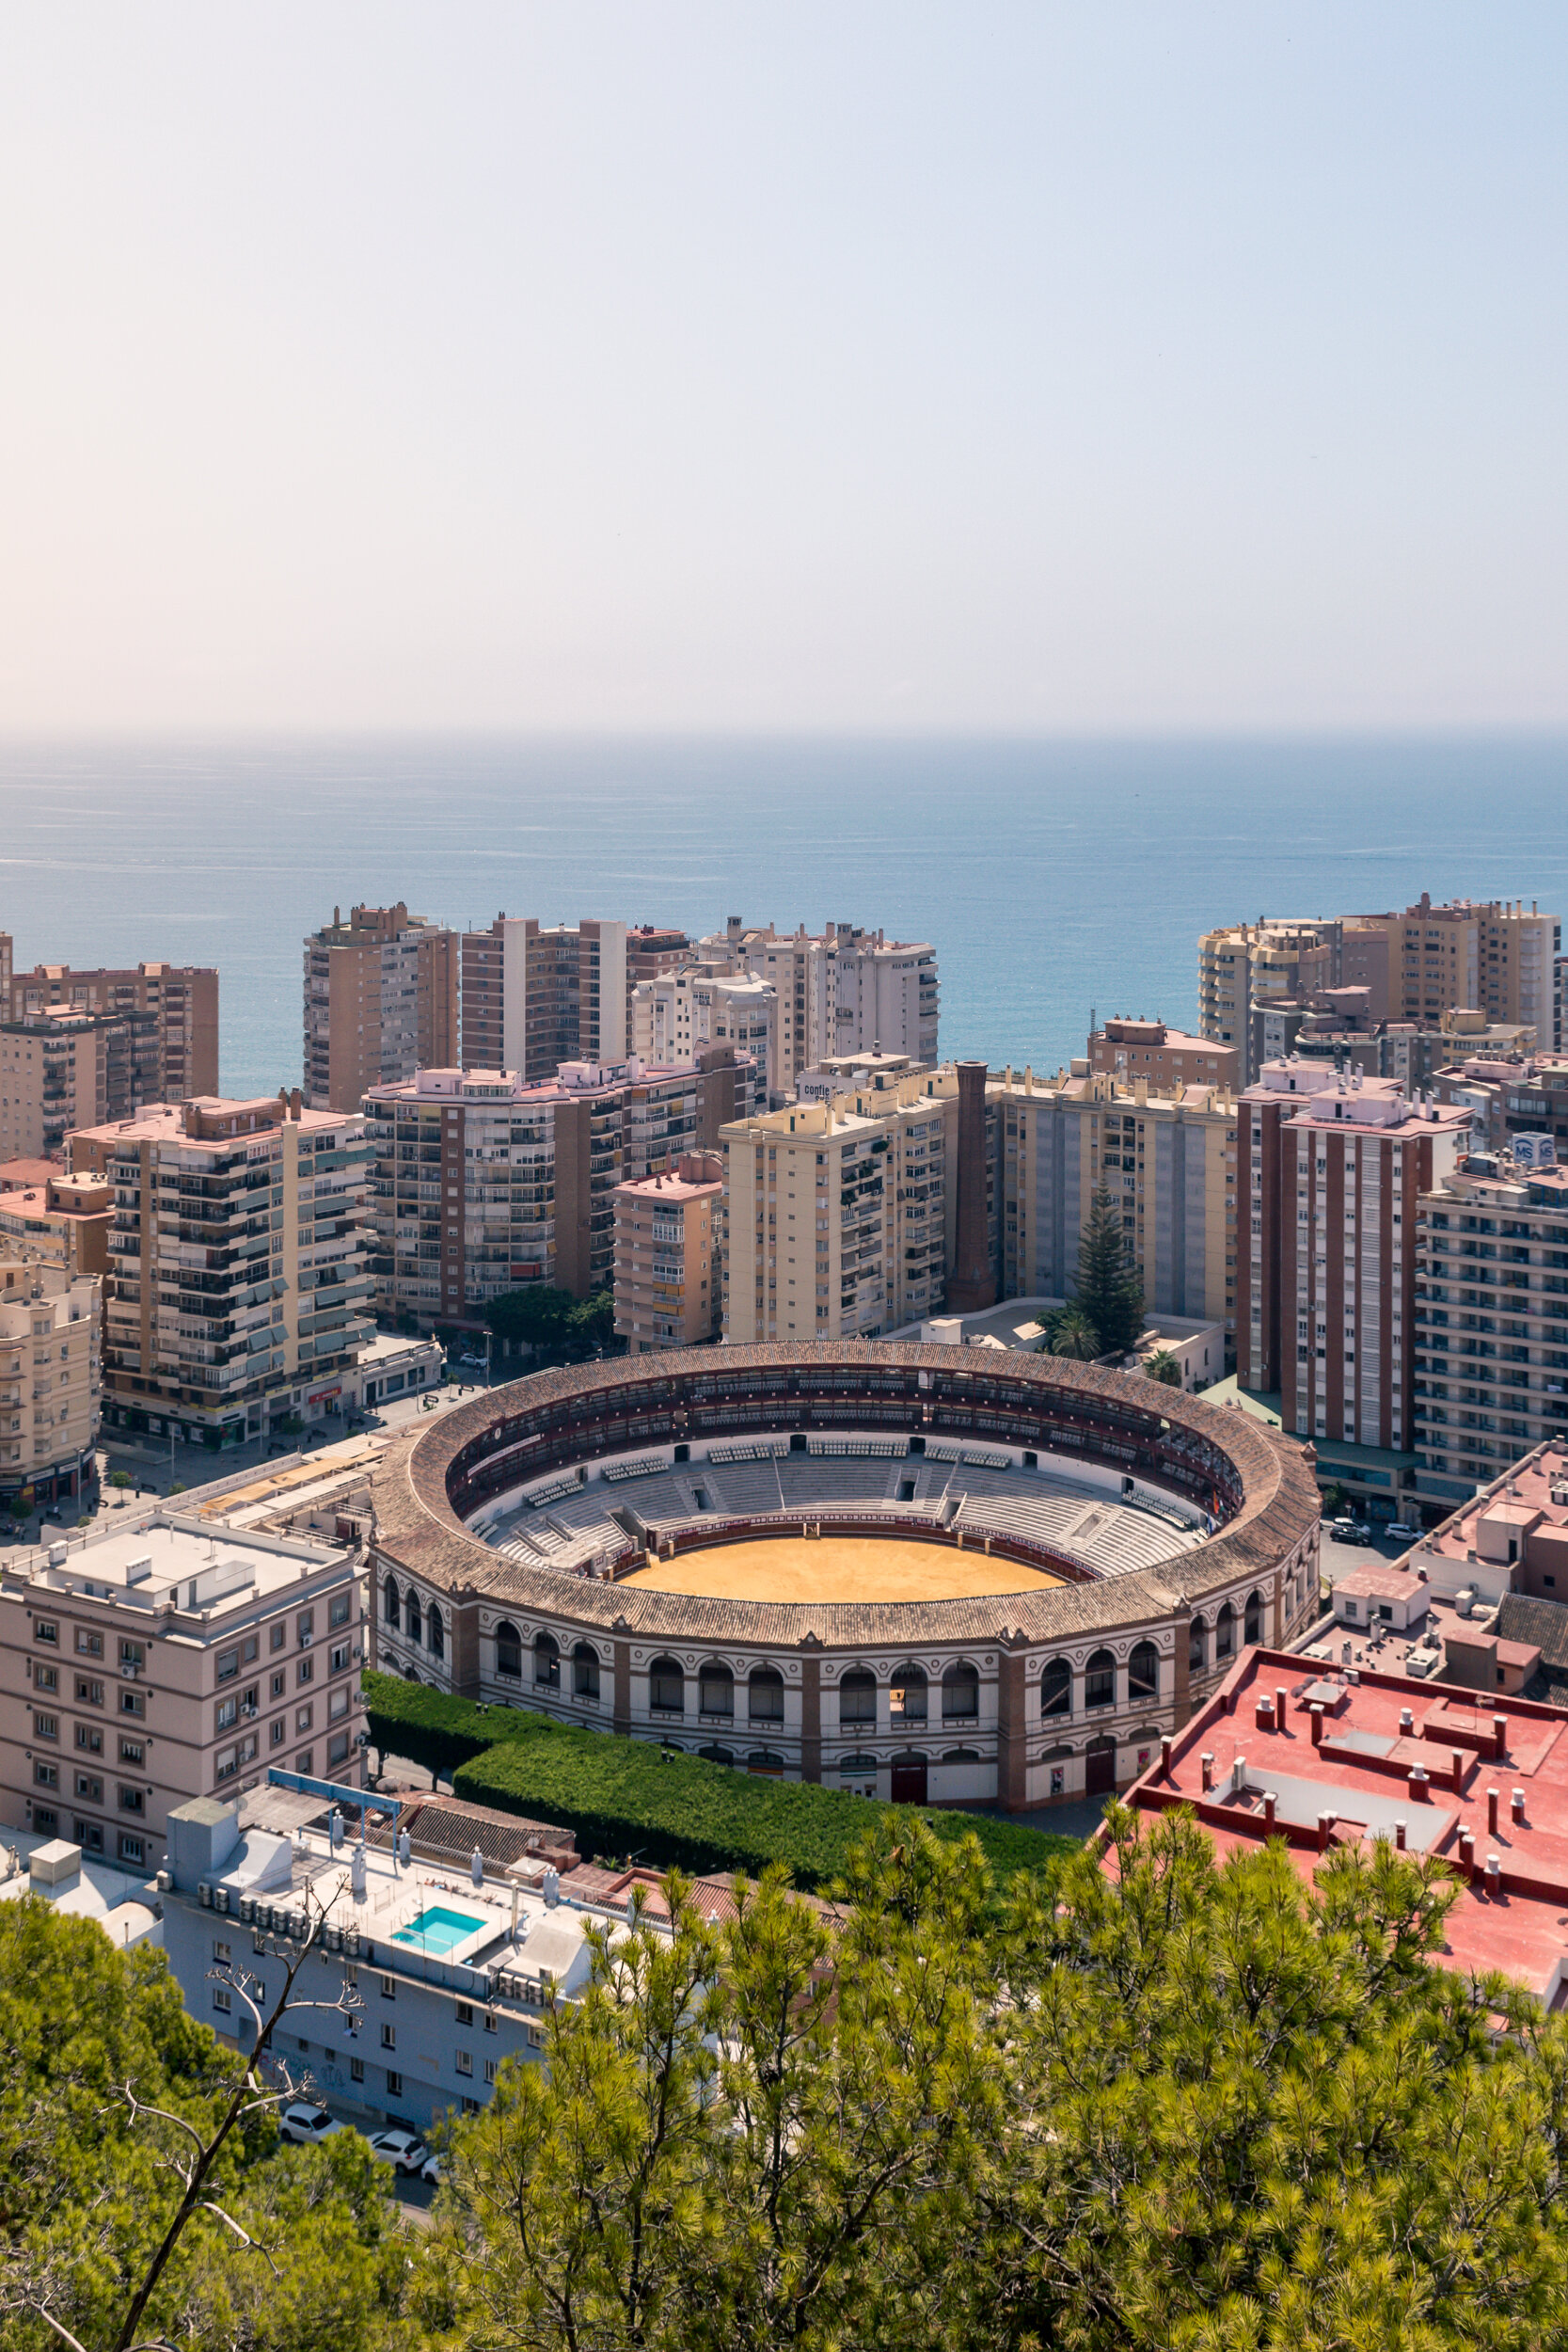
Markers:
point(838, 1567)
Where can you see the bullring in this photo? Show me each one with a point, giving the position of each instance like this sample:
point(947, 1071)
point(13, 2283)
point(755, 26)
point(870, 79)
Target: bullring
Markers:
point(1132, 1539)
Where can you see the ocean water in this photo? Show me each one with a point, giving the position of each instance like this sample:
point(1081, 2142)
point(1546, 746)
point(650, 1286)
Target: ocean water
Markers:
point(1054, 877)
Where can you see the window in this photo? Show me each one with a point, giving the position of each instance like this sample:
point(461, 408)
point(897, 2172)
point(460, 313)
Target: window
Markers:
point(220, 1949)
point(585, 1671)
point(226, 1714)
point(89, 1739)
point(1100, 1679)
point(388, 1988)
point(131, 1800)
point(45, 1630)
point(395, 2083)
point(132, 1703)
point(961, 1693)
point(89, 1644)
point(47, 1776)
point(667, 1686)
point(489, 2021)
point(304, 1763)
point(435, 1631)
point(279, 1635)
point(89, 1789)
point(45, 1677)
point(46, 1726)
point(464, 2012)
point(302, 1718)
point(88, 1835)
point(489, 2070)
point(765, 1696)
point(306, 1671)
point(509, 1651)
point(228, 1665)
point(337, 1609)
point(546, 1661)
point(536, 2037)
point(857, 1696)
point(1253, 1621)
point(1057, 1688)
point(1197, 1636)
point(907, 1695)
point(337, 1749)
point(45, 1819)
point(1225, 1631)
point(388, 2035)
point(133, 1654)
point(392, 1611)
point(305, 1627)
point(89, 1693)
point(415, 1620)
point(715, 1691)
point(464, 2061)
point(1143, 1672)
point(356, 2070)
point(226, 1763)
point(280, 1684)
point(250, 1648)
point(132, 1752)
point(132, 1848)
point(339, 1659)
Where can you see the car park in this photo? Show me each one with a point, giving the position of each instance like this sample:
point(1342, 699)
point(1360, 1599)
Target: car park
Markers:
point(305, 2123)
point(403, 2150)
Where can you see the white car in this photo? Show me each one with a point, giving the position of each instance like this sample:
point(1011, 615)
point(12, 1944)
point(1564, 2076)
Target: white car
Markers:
point(307, 2123)
point(1401, 1531)
point(433, 2171)
point(403, 2150)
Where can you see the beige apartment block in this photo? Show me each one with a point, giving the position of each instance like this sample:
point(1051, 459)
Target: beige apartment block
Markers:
point(1491, 1314)
point(840, 1215)
point(1248, 963)
point(65, 1221)
point(164, 1657)
point(535, 995)
point(668, 1274)
point(843, 990)
point(238, 1290)
point(1494, 956)
point(1166, 1057)
point(1168, 1161)
point(380, 1002)
point(54, 1069)
point(1333, 1168)
point(483, 1183)
point(172, 1009)
point(50, 1383)
point(676, 1015)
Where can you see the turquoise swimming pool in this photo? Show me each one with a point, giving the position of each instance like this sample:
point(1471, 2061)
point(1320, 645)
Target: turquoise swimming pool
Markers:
point(438, 1929)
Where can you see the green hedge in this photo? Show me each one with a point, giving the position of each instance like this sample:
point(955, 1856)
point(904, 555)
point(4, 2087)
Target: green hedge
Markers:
point(621, 1796)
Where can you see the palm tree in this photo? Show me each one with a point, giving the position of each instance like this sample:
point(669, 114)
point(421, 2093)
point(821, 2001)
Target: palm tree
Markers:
point(1074, 1336)
point(1162, 1365)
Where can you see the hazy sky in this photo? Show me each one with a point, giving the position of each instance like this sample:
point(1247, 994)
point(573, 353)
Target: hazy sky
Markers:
point(985, 366)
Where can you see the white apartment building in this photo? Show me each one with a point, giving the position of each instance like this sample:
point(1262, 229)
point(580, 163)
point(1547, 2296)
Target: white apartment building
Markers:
point(237, 1288)
point(840, 1215)
point(164, 1657)
point(51, 1380)
point(843, 990)
point(679, 1013)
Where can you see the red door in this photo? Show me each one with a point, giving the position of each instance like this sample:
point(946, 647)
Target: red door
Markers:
point(909, 1780)
point(1100, 1769)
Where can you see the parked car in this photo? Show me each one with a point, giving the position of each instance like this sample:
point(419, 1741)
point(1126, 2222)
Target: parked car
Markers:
point(433, 2171)
point(403, 2150)
point(1401, 1531)
point(307, 2123)
point(1351, 1531)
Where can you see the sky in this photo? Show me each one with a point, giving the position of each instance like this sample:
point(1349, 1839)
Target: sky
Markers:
point(887, 368)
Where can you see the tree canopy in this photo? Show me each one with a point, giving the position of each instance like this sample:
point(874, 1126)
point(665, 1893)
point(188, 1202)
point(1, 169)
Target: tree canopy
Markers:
point(546, 1317)
point(1109, 1292)
point(1164, 1367)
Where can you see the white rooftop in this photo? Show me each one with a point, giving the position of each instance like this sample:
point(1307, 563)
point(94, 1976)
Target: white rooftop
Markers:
point(159, 1561)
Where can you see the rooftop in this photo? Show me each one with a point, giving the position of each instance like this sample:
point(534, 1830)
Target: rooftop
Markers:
point(1534, 1493)
point(1480, 1782)
point(1377, 1581)
point(164, 1563)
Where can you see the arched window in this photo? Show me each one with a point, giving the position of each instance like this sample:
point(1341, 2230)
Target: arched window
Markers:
point(1100, 1679)
point(764, 1760)
point(906, 1697)
point(1197, 1642)
point(435, 1631)
point(765, 1696)
point(509, 1651)
point(960, 1692)
point(1057, 1688)
point(1253, 1621)
point(415, 1622)
point(392, 1611)
point(857, 1696)
point(1143, 1672)
point(1225, 1631)
point(667, 1686)
point(717, 1756)
point(409, 1674)
point(715, 1691)
point(585, 1671)
point(960, 1755)
point(546, 1661)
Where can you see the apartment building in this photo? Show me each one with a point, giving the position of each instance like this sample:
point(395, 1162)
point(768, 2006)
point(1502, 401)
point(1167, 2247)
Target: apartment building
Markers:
point(164, 1658)
point(1333, 1168)
point(535, 995)
point(1490, 956)
point(844, 990)
point(1166, 1157)
point(65, 1221)
point(1166, 1057)
point(1491, 1316)
point(483, 1183)
point(1244, 964)
point(653, 949)
point(676, 1015)
point(1508, 1094)
point(841, 1217)
point(54, 1076)
point(51, 1380)
point(238, 1291)
point(1336, 1025)
point(380, 1002)
point(172, 1008)
point(668, 1262)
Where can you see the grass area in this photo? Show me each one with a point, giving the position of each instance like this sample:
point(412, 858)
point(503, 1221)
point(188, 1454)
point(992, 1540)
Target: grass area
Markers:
point(622, 1797)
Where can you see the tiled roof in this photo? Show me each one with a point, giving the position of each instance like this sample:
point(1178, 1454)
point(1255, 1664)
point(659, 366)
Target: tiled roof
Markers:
point(418, 1528)
point(1540, 1623)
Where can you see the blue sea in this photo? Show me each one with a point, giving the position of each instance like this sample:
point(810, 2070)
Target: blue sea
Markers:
point(1054, 877)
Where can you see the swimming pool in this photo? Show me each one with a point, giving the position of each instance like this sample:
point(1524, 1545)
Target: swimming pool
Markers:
point(438, 1929)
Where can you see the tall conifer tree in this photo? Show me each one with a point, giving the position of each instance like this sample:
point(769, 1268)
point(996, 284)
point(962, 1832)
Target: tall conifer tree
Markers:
point(1109, 1293)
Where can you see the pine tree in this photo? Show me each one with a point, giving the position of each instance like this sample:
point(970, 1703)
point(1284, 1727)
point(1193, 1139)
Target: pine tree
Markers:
point(1109, 1292)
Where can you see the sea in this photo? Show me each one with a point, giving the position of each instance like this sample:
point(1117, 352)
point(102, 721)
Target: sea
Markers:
point(1059, 881)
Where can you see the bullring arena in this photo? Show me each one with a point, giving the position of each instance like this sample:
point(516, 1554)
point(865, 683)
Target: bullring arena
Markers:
point(916, 1572)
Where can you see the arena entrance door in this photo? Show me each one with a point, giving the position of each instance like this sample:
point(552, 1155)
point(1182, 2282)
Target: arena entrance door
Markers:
point(1100, 1768)
point(908, 1779)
